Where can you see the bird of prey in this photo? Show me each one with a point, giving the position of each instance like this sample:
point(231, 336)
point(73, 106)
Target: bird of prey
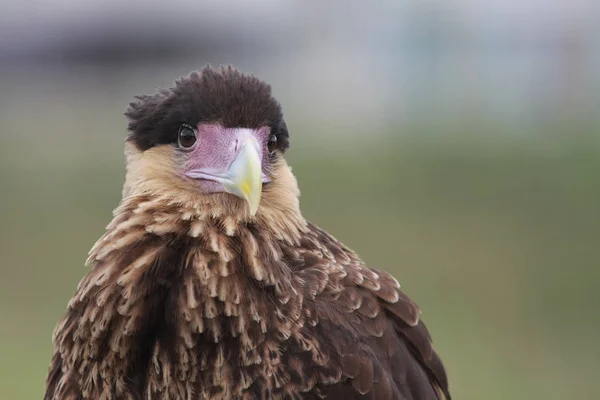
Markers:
point(210, 284)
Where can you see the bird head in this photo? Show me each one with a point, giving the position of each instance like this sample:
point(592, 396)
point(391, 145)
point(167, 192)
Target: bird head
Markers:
point(217, 137)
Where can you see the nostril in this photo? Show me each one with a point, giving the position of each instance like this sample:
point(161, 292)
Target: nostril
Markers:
point(235, 148)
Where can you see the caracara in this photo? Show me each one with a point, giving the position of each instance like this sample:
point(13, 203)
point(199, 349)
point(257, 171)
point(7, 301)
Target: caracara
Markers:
point(210, 284)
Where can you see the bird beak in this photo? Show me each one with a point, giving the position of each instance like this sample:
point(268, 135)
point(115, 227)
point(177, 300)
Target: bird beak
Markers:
point(245, 175)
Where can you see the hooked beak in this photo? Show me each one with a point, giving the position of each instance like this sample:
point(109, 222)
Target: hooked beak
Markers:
point(245, 175)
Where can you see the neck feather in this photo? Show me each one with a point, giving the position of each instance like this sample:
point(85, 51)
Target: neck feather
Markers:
point(158, 237)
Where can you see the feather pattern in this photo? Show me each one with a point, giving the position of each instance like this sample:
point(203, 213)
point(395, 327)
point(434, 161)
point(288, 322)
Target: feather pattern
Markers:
point(181, 312)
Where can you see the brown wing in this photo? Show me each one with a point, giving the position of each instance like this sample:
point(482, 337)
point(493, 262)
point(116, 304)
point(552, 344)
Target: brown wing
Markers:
point(384, 350)
point(69, 389)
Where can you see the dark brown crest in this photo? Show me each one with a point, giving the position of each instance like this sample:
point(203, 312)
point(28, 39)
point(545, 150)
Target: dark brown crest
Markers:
point(224, 95)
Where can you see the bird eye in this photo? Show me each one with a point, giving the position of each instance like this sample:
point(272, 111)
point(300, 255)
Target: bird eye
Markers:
point(186, 137)
point(272, 145)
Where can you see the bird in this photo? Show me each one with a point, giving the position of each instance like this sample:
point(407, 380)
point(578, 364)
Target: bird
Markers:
point(208, 282)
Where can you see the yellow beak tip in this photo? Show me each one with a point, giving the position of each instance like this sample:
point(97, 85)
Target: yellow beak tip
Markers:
point(246, 176)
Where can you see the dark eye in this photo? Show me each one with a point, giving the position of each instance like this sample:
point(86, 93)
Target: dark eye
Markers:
point(186, 137)
point(272, 145)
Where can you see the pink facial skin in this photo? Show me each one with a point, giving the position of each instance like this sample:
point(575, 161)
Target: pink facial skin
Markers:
point(215, 150)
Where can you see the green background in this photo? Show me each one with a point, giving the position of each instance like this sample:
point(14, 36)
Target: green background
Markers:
point(494, 234)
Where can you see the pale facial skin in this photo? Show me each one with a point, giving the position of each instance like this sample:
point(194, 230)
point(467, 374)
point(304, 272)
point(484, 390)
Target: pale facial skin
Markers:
point(231, 160)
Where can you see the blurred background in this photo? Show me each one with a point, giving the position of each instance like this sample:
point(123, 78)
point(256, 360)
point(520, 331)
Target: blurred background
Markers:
point(455, 144)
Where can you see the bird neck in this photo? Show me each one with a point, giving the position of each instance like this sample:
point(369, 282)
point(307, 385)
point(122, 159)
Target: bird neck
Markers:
point(153, 186)
point(148, 224)
point(204, 238)
point(167, 279)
